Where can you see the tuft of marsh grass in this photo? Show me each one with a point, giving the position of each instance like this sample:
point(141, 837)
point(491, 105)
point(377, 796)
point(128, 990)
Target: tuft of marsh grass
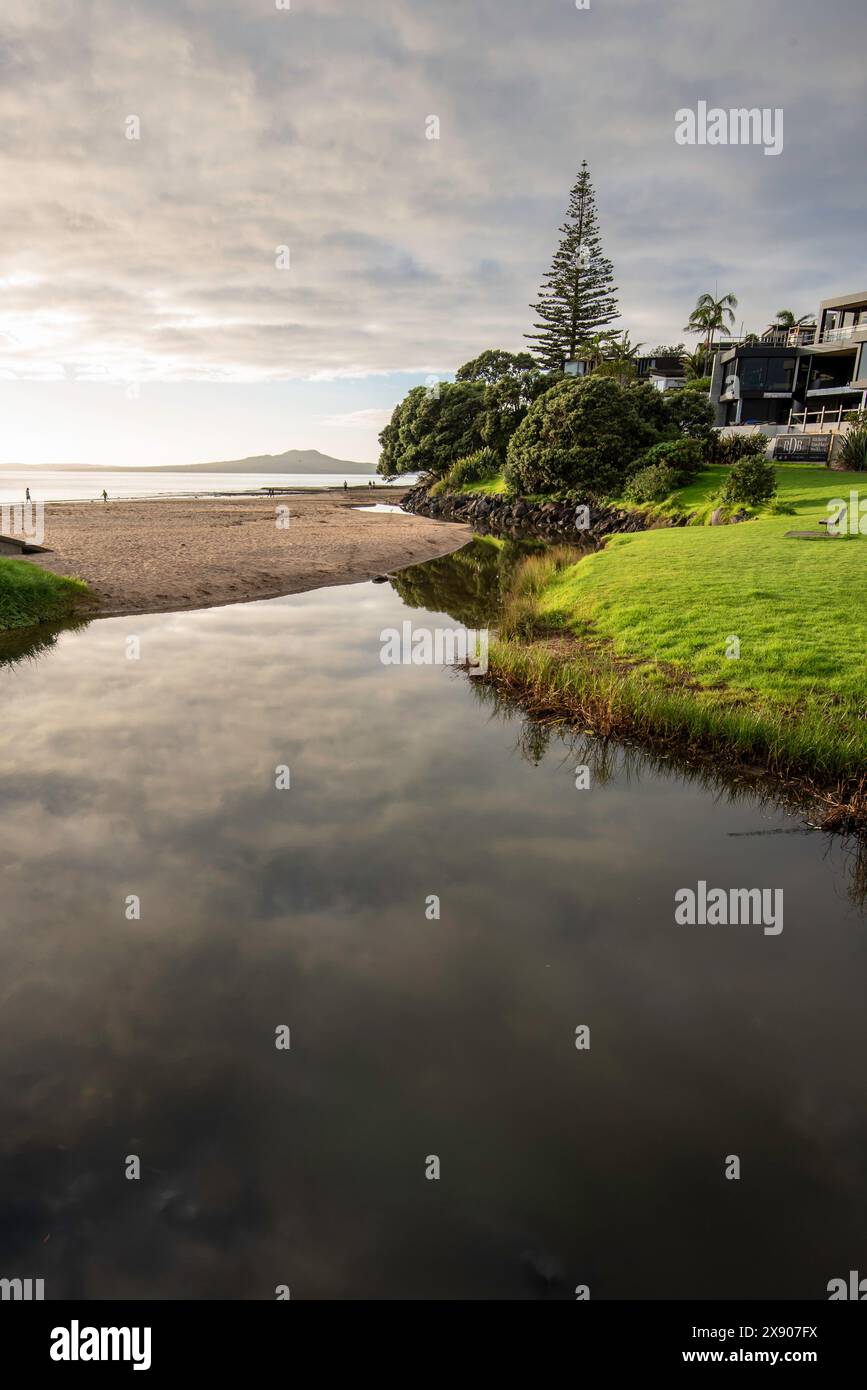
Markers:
point(520, 615)
point(587, 685)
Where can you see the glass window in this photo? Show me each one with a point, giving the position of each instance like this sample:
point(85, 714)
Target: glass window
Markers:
point(781, 373)
point(752, 373)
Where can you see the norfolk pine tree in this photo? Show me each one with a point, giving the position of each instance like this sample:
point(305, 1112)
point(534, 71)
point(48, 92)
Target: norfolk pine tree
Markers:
point(576, 297)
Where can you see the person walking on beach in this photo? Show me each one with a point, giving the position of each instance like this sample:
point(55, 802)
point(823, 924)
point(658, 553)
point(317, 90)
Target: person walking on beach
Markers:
point(104, 495)
point(27, 494)
point(344, 485)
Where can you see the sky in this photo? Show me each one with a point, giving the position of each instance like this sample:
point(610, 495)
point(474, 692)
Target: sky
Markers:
point(280, 252)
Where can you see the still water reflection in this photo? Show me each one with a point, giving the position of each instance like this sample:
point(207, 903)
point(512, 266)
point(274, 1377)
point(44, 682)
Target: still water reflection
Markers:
point(409, 1037)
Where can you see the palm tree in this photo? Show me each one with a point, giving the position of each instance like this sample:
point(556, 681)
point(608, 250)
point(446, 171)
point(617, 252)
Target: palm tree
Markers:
point(695, 364)
point(595, 348)
point(620, 359)
point(785, 322)
point(710, 314)
point(625, 350)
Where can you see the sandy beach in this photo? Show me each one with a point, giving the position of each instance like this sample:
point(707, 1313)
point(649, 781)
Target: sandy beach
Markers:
point(161, 555)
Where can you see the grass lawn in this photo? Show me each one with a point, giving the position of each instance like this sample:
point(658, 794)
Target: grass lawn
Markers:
point(660, 607)
point(489, 487)
point(29, 595)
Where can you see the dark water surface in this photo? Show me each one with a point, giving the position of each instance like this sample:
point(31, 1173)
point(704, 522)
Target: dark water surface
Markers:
point(409, 1037)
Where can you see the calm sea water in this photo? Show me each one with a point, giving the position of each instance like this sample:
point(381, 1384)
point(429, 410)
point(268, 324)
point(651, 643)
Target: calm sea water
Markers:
point(410, 1037)
point(58, 485)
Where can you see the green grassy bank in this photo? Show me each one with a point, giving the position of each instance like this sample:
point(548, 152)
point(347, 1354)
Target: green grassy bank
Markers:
point(637, 636)
point(29, 595)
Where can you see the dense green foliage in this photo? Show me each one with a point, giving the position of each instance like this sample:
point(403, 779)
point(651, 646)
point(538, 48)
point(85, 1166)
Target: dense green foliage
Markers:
point(432, 427)
point(652, 406)
point(581, 435)
point(494, 364)
point(506, 403)
point(691, 412)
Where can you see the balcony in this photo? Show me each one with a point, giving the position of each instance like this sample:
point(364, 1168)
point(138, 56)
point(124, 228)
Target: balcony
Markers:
point(837, 390)
point(790, 337)
point(841, 335)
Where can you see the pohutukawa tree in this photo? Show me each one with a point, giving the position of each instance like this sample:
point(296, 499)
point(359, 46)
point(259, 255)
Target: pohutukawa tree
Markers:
point(576, 298)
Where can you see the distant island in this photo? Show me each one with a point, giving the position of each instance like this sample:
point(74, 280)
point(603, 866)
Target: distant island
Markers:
point(293, 461)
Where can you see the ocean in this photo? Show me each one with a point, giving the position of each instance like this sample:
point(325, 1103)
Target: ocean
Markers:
point(83, 485)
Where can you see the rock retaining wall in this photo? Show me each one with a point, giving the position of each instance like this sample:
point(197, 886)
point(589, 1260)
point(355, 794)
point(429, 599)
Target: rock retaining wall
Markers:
point(511, 516)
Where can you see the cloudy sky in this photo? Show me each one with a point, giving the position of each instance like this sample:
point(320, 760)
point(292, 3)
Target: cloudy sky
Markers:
point(143, 317)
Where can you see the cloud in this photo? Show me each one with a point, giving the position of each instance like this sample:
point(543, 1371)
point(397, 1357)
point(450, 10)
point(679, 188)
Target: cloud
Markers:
point(154, 259)
point(352, 419)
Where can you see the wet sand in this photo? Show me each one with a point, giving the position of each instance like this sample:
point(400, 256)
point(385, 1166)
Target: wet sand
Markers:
point(161, 555)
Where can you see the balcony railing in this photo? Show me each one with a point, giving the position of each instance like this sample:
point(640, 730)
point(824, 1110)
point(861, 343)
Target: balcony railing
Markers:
point(789, 337)
point(842, 335)
point(806, 419)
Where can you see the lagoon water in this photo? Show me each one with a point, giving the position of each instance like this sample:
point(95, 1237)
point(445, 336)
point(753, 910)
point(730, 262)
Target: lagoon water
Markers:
point(410, 1037)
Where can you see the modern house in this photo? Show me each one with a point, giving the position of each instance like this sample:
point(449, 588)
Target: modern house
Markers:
point(801, 334)
point(662, 371)
point(801, 377)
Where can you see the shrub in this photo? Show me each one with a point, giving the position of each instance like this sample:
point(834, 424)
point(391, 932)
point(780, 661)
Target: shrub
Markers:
point(730, 448)
point(751, 481)
point(473, 468)
point(583, 434)
point(682, 456)
point(853, 450)
point(689, 412)
point(652, 483)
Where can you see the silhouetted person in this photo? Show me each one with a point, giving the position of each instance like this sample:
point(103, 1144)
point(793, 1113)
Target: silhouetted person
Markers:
point(344, 485)
point(27, 492)
point(104, 495)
